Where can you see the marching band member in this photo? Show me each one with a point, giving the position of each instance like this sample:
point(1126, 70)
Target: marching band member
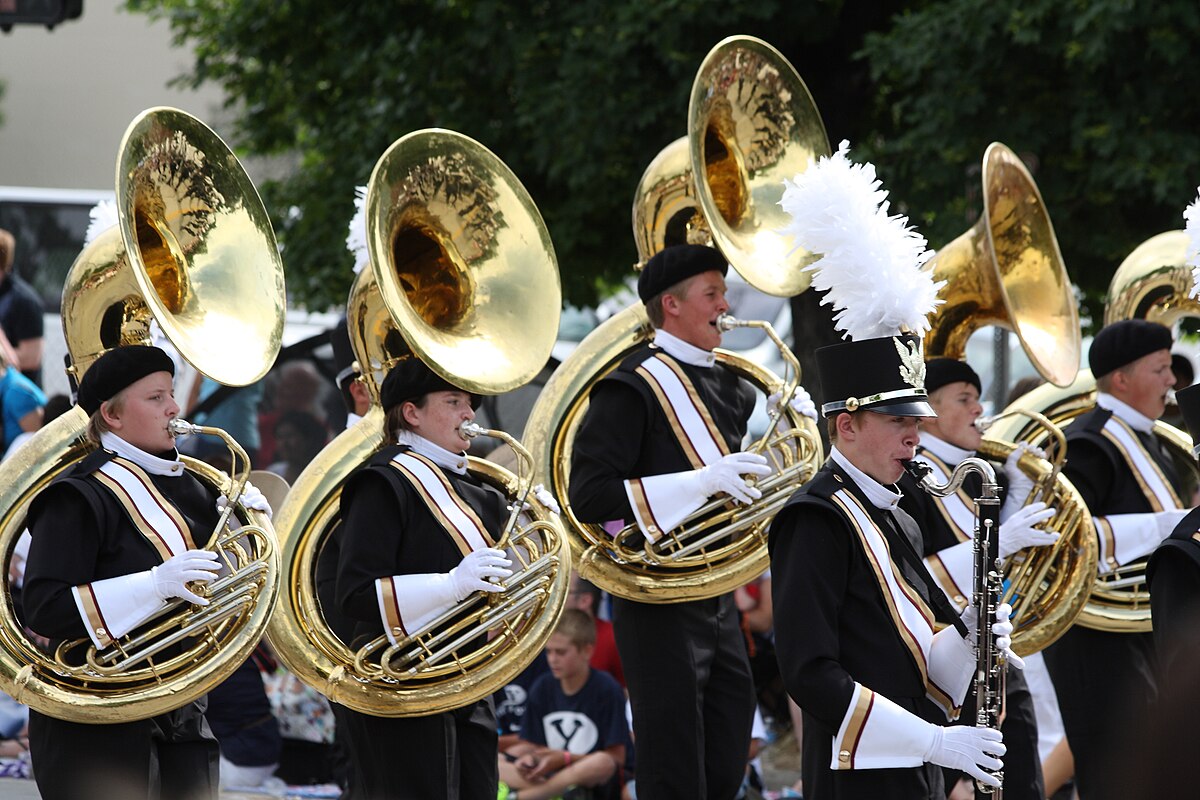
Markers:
point(418, 537)
point(663, 433)
point(948, 525)
point(114, 539)
point(1173, 575)
point(857, 647)
point(1133, 491)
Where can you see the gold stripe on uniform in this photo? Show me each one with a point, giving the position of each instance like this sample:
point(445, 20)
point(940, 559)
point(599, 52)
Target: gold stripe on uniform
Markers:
point(889, 600)
point(95, 617)
point(854, 728)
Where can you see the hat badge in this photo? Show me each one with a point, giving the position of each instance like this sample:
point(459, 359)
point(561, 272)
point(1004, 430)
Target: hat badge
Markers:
point(912, 365)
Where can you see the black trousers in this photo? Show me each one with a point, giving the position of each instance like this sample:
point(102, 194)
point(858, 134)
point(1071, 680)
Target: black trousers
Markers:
point(689, 684)
point(166, 757)
point(1105, 685)
point(451, 755)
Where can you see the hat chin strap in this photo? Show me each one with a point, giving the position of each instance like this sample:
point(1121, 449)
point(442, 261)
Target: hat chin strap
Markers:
point(853, 404)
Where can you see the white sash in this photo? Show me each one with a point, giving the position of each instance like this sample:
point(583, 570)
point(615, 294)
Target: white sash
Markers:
point(696, 431)
point(1145, 469)
point(157, 520)
point(455, 515)
point(914, 620)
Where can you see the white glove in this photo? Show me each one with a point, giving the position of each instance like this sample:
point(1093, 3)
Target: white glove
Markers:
point(967, 749)
point(1019, 484)
point(1166, 521)
point(473, 572)
point(172, 576)
point(1002, 629)
point(726, 476)
point(1018, 531)
point(802, 403)
point(545, 498)
point(251, 498)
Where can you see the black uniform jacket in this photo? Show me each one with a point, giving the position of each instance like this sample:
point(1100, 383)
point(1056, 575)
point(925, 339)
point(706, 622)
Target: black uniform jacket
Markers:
point(81, 534)
point(389, 530)
point(1174, 577)
point(625, 434)
point(1100, 473)
point(833, 629)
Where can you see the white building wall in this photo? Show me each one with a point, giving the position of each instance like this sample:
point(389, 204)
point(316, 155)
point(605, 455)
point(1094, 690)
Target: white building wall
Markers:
point(71, 92)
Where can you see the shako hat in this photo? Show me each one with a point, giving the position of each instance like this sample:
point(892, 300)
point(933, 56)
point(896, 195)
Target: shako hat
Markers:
point(870, 270)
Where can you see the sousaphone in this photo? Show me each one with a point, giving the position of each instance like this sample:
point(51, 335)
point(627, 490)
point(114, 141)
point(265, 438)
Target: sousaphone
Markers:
point(751, 123)
point(1152, 283)
point(1007, 271)
point(463, 276)
point(193, 252)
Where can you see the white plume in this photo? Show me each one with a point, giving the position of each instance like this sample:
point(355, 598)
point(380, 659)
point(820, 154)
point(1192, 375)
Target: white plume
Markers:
point(356, 237)
point(1191, 215)
point(870, 262)
point(103, 216)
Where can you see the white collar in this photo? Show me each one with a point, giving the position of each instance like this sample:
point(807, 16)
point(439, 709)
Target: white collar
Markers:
point(455, 462)
point(679, 349)
point(1125, 412)
point(951, 454)
point(152, 464)
point(352, 419)
point(879, 495)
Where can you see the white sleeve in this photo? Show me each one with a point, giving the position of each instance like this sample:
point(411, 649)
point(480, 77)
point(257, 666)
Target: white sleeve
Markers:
point(113, 607)
point(662, 502)
point(407, 602)
point(1123, 538)
point(878, 734)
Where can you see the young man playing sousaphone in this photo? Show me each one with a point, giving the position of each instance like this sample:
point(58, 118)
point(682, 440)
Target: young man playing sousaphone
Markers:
point(859, 646)
point(114, 539)
point(663, 433)
point(948, 524)
point(1105, 679)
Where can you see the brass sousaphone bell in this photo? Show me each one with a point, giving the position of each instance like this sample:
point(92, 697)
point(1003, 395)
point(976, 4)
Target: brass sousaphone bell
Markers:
point(462, 276)
point(193, 252)
point(751, 123)
point(1007, 271)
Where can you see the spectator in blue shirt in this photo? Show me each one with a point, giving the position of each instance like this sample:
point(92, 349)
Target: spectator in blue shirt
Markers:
point(21, 403)
point(574, 733)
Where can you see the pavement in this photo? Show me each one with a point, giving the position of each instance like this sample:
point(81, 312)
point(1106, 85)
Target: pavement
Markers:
point(780, 760)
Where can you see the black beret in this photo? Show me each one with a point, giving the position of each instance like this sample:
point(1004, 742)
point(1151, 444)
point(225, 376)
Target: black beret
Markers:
point(941, 372)
point(674, 264)
point(117, 369)
point(1125, 342)
point(410, 379)
point(1189, 405)
point(343, 354)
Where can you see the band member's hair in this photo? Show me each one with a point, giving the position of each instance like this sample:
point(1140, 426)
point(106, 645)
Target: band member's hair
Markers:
point(97, 424)
point(578, 627)
point(654, 309)
point(394, 421)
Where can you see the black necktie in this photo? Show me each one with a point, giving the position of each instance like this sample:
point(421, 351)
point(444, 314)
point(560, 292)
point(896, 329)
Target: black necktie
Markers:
point(907, 527)
point(914, 569)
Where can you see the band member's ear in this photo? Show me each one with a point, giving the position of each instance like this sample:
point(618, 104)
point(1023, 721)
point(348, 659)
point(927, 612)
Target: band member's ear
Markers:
point(844, 422)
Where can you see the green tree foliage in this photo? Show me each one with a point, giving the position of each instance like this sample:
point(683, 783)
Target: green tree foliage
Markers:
point(576, 97)
point(1097, 96)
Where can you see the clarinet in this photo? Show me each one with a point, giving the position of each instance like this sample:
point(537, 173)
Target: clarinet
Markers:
point(987, 590)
